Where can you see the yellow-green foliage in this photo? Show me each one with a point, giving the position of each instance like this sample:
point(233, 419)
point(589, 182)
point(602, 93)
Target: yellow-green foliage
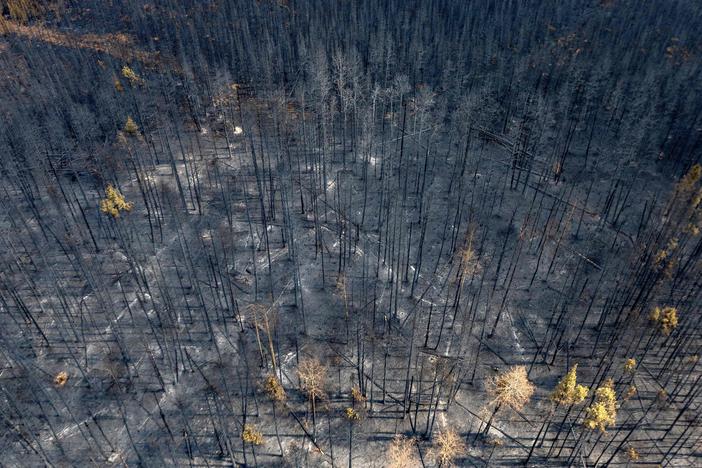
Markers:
point(666, 318)
point(357, 395)
point(603, 411)
point(351, 414)
point(663, 254)
point(687, 183)
point(131, 127)
point(251, 435)
point(630, 392)
point(689, 199)
point(630, 365)
point(632, 454)
point(61, 378)
point(131, 75)
point(568, 391)
point(114, 202)
point(273, 388)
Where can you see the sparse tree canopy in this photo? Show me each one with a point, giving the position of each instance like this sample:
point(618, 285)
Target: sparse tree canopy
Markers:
point(448, 447)
point(511, 388)
point(312, 375)
point(665, 318)
point(402, 453)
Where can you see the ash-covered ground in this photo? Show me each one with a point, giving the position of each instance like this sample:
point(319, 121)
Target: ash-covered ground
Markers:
point(388, 234)
point(424, 268)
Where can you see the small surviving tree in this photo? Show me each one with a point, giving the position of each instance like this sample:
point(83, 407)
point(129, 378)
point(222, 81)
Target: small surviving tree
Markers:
point(118, 85)
point(448, 446)
point(353, 417)
point(61, 378)
point(130, 127)
point(131, 75)
point(114, 202)
point(312, 375)
point(275, 391)
point(511, 388)
point(402, 453)
point(357, 395)
point(351, 414)
point(568, 391)
point(630, 366)
point(253, 436)
point(666, 319)
point(632, 454)
point(629, 393)
point(603, 411)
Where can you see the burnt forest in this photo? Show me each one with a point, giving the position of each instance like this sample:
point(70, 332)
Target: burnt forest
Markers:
point(350, 233)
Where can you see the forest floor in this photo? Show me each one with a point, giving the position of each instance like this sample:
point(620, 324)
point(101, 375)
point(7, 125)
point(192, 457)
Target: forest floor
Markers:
point(169, 346)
